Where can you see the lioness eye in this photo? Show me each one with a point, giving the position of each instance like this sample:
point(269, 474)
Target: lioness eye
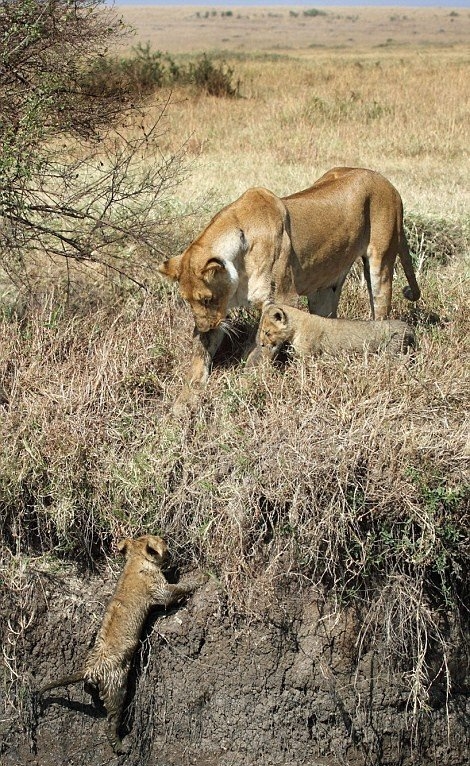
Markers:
point(206, 301)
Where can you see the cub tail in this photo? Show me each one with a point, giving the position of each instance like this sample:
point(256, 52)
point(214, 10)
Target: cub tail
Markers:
point(66, 681)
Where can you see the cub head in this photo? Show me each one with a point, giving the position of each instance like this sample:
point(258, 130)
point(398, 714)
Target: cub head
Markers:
point(152, 549)
point(274, 328)
point(207, 276)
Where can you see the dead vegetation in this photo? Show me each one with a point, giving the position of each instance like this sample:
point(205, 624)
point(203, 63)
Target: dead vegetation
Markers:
point(349, 473)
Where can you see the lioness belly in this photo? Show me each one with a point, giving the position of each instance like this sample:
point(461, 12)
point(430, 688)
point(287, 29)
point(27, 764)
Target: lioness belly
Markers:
point(323, 258)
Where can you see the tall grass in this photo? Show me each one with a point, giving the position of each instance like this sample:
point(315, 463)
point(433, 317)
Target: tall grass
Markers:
point(349, 473)
point(298, 118)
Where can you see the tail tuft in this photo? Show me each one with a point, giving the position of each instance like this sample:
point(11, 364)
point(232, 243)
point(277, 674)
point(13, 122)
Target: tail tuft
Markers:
point(410, 294)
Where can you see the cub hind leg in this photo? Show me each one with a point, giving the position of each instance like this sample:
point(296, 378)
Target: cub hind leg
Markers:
point(113, 693)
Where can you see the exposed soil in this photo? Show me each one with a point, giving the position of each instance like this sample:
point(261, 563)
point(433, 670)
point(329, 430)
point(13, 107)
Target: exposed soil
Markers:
point(289, 687)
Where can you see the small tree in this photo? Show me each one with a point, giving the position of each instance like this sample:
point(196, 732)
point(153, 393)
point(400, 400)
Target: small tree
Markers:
point(72, 185)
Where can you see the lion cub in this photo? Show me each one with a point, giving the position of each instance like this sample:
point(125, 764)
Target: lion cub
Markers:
point(311, 334)
point(140, 587)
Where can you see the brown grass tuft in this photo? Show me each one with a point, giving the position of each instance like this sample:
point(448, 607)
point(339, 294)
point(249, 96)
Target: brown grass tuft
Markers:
point(349, 473)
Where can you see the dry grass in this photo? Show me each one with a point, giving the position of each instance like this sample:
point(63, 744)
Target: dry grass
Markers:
point(400, 108)
point(299, 119)
point(351, 473)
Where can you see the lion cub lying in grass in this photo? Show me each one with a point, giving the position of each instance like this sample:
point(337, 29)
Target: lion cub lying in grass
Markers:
point(312, 334)
point(140, 587)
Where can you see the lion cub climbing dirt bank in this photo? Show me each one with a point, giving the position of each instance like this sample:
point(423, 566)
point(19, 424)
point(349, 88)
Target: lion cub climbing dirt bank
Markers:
point(311, 334)
point(140, 587)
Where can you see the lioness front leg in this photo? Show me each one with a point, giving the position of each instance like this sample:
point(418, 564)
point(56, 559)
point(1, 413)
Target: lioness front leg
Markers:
point(205, 345)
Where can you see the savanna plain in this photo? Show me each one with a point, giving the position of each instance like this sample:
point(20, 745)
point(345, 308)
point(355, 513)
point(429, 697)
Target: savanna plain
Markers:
point(347, 473)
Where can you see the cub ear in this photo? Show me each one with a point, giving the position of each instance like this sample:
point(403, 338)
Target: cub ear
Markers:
point(171, 269)
point(157, 547)
point(154, 546)
point(279, 315)
point(123, 545)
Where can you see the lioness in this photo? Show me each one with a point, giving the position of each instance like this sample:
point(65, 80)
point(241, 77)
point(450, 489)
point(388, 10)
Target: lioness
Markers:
point(140, 587)
point(310, 334)
point(262, 248)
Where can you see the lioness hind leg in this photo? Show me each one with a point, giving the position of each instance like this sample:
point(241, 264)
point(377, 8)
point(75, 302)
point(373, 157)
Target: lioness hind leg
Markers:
point(365, 262)
point(379, 277)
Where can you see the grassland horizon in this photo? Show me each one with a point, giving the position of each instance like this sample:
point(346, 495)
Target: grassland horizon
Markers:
point(347, 473)
point(295, 30)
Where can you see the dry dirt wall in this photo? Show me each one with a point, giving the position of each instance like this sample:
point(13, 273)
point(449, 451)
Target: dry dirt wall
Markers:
point(210, 689)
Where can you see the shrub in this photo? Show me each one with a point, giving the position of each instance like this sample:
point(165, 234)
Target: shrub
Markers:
point(147, 70)
point(91, 201)
point(435, 240)
point(314, 12)
point(140, 74)
point(216, 80)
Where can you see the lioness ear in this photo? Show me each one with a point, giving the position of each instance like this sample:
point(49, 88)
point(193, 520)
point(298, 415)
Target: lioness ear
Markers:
point(171, 268)
point(213, 266)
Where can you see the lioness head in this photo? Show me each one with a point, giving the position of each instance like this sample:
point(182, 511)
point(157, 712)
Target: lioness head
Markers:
point(207, 275)
point(274, 328)
point(149, 547)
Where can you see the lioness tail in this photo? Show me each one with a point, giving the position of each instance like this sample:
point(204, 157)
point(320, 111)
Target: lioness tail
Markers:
point(411, 291)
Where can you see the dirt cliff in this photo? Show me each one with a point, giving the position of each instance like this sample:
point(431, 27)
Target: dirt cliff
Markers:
point(285, 687)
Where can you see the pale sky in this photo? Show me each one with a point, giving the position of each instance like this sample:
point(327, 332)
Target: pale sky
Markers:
point(307, 3)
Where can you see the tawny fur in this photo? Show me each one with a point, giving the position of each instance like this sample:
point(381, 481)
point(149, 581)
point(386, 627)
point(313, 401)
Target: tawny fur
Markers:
point(141, 586)
point(311, 334)
point(262, 248)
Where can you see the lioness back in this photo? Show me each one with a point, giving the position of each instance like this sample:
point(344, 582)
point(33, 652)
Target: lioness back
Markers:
point(311, 334)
